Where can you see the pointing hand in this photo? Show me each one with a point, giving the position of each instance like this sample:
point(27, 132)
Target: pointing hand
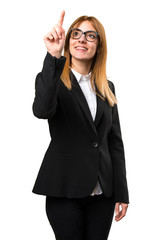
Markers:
point(55, 39)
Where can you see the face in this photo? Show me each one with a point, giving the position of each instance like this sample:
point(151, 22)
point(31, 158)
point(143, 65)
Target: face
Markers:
point(81, 49)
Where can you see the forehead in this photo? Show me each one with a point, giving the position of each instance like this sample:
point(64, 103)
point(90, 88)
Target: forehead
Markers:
point(85, 26)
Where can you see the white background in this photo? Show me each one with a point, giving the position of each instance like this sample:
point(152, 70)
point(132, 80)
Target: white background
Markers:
point(133, 38)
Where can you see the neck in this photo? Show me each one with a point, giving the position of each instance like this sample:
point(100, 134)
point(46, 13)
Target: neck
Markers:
point(82, 67)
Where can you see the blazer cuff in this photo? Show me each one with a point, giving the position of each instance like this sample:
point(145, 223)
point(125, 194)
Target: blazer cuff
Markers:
point(51, 59)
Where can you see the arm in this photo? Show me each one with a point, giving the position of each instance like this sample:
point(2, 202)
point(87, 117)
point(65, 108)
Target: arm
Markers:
point(46, 86)
point(118, 159)
point(47, 81)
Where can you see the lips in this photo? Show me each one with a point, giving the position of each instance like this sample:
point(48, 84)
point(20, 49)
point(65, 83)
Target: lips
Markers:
point(81, 48)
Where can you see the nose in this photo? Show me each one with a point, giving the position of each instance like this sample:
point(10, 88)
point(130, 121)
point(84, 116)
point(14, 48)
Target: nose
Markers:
point(82, 38)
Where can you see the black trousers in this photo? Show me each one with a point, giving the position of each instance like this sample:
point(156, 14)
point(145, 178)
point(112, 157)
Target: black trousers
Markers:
point(88, 218)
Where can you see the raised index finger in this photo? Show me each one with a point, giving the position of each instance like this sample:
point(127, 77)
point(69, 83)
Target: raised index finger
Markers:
point(60, 22)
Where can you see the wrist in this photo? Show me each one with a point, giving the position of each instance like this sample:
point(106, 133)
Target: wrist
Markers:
point(55, 54)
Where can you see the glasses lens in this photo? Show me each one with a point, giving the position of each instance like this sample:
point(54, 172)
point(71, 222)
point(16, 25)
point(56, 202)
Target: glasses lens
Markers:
point(76, 33)
point(91, 36)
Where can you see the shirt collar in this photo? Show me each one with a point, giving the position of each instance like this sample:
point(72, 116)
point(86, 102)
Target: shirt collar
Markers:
point(81, 77)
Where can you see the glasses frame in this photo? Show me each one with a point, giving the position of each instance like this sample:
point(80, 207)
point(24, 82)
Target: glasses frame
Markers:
point(83, 33)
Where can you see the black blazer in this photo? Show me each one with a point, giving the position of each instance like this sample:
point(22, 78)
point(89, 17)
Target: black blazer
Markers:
point(81, 150)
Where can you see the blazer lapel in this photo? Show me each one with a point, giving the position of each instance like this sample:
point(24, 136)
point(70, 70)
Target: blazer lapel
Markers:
point(100, 108)
point(78, 93)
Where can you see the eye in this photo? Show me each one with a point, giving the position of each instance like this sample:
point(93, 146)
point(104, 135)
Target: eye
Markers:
point(75, 33)
point(92, 36)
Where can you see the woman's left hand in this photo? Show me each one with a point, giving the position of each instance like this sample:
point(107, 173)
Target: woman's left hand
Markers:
point(120, 213)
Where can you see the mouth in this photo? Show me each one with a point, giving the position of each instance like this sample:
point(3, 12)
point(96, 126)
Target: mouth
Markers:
point(81, 48)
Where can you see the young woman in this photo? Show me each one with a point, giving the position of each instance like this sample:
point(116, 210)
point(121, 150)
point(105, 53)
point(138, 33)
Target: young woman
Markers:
point(83, 173)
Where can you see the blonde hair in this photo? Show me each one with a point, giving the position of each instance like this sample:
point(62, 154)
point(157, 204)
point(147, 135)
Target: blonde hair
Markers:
point(98, 68)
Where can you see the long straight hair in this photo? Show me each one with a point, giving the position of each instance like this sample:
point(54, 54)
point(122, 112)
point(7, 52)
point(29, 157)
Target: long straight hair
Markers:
point(98, 68)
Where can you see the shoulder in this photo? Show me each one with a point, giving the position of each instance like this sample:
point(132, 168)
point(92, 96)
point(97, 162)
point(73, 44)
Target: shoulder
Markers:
point(111, 86)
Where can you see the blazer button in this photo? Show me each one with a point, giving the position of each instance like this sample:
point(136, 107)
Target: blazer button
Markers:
point(95, 144)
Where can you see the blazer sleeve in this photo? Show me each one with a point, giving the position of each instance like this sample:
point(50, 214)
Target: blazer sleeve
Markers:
point(118, 157)
point(46, 87)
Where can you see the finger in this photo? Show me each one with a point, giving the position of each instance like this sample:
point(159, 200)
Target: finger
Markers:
point(48, 36)
point(59, 31)
point(122, 213)
point(51, 36)
point(61, 19)
point(63, 36)
point(55, 35)
point(119, 216)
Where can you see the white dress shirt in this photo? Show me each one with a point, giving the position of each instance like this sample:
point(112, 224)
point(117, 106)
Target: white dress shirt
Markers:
point(90, 95)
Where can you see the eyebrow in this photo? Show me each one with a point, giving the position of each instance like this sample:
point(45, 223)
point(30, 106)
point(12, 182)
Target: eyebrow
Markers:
point(85, 31)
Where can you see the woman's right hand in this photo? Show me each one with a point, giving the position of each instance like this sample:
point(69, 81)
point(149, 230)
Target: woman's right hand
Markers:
point(55, 39)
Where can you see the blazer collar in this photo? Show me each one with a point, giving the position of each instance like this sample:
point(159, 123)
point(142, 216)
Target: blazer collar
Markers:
point(78, 93)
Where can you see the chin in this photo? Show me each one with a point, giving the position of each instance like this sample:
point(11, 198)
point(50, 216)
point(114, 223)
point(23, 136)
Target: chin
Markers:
point(82, 58)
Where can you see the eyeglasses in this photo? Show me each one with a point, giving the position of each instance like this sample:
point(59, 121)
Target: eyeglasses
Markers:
point(90, 36)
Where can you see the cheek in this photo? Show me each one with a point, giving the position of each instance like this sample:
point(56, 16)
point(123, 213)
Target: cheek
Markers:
point(94, 49)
